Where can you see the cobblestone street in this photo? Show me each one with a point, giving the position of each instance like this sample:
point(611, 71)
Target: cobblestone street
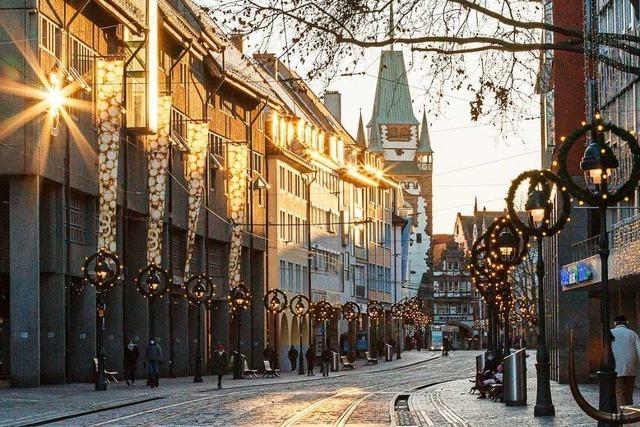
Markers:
point(436, 390)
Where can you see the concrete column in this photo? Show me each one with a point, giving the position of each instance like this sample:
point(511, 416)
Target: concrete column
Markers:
point(24, 270)
point(136, 325)
point(181, 338)
point(256, 327)
point(81, 336)
point(53, 304)
point(52, 329)
point(113, 334)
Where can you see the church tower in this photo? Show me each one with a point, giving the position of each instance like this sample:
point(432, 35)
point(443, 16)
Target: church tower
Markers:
point(395, 132)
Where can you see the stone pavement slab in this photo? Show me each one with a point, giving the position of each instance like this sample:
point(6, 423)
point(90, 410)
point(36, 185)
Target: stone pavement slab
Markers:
point(29, 406)
point(452, 404)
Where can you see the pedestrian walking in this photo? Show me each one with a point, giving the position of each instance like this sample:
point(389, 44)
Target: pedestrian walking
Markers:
point(153, 360)
point(325, 359)
point(131, 355)
point(626, 352)
point(220, 363)
point(293, 358)
point(309, 355)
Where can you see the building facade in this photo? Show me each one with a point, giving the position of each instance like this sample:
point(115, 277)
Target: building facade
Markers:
point(186, 109)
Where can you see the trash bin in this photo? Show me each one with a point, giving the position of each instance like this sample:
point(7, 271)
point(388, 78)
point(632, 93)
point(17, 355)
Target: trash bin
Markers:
point(515, 379)
point(335, 361)
point(388, 353)
point(480, 362)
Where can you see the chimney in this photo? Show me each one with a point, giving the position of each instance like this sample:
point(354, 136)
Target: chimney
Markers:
point(333, 102)
point(237, 39)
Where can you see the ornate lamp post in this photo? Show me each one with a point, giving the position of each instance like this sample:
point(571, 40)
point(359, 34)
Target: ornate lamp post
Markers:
point(538, 224)
point(375, 310)
point(300, 306)
point(397, 312)
point(199, 289)
point(275, 302)
point(101, 270)
point(603, 189)
point(322, 311)
point(508, 247)
point(239, 299)
point(351, 312)
point(152, 282)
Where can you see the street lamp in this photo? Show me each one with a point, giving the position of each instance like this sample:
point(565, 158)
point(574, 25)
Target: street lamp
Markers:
point(199, 289)
point(598, 164)
point(300, 306)
point(239, 299)
point(152, 282)
point(539, 208)
point(322, 311)
point(101, 270)
point(375, 310)
point(275, 302)
point(509, 248)
point(351, 312)
point(397, 312)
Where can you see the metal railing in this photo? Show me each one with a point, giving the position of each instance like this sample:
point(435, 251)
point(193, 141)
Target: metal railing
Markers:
point(584, 249)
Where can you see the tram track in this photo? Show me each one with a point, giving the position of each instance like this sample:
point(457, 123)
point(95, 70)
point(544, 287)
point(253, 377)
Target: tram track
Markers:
point(298, 402)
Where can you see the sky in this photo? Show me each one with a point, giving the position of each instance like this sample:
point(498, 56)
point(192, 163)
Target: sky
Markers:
point(469, 159)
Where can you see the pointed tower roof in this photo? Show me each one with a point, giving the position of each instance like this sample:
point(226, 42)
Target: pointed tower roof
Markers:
point(375, 144)
point(392, 103)
point(424, 143)
point(361, 139)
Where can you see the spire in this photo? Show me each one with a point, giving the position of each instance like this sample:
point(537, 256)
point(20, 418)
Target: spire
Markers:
point(375, 144)
point(475, 206)
point(361, 139)
point(424, 143)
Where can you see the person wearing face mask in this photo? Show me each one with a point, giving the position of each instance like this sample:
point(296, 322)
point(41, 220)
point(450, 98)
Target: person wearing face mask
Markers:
point(154, 358)
point(131, 355)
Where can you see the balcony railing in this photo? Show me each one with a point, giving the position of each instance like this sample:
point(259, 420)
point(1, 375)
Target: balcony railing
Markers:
point(458, 317)
point(584, 249)
point(452, 294)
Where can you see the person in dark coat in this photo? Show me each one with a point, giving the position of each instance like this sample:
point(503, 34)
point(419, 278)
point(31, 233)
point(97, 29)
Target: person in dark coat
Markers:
point(153, 359)
point(293, 358)
point(325, 360)
point(269, 355)
point(131, 355)
point(220, 363)
point(309, 355)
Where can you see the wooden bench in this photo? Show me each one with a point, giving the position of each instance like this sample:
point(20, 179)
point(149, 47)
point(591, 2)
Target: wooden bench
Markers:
point(346, 365)
point(269, 372)
point(108, 375)
point(370, 360)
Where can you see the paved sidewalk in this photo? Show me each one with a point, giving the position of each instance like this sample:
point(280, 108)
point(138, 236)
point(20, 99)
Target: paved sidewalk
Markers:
point(452, 404)
point(28, 406)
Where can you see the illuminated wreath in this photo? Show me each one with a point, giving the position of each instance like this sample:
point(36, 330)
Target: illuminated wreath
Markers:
point(112, 268)
point(375, 310)
point(299, 305)
point(536, 177)
point(397, 310)
point(608, 198)
point(152, 281)
point(322, 310)
point(239, 298)
point(350, 311)
point(275, 301)
point(199, 289)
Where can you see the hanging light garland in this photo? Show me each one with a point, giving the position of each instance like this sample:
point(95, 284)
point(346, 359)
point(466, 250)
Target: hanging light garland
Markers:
point(198, 139)
point(109, 78)
point(158, 160)
point(237, 182)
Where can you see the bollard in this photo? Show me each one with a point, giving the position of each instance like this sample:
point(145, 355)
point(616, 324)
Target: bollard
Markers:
point(335, 361)
point(388, 353)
